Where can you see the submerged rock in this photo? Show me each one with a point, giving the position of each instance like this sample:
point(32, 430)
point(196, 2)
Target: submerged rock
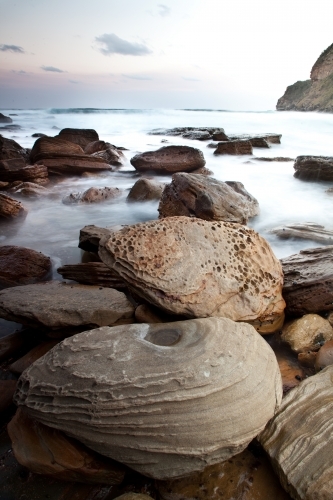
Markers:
point(29, 189)
point(314, 168)
point(234, 147)
point(5, 119)
point(93, 195)
point(199, 133)
point(307, 231)
point(22, 266)
point(259, 140)
point(164, 399)
point(169, 159)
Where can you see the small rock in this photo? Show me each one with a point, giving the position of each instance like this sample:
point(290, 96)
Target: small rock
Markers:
point(93, 195)
point(37, 352)
point(11, 209)
point(308, 333)
point(314, 168)
point(234, 148)
point(324, 356)
point(90, 237)
point(145, 190)
point(22, 266)
point(307, 231)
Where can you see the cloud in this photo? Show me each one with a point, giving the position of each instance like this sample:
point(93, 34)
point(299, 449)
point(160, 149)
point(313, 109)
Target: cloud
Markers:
point(12, 48)
point(21, 72)
point(112, 44)
point(73, 81)
point(191, 79)
point(164, 10)
point(137, 77)
point(52, 68)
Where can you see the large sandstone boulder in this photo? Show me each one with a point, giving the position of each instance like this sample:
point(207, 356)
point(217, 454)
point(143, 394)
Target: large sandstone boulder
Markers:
point(169, 159)
point(10, 149)
point(299, 439)
point(22, 266)
point(199, 268)
point(145, 190)
point(308, 281)
point(59, 305)
point(80, 136)
point(200, 196)
point(234, 147)
point(314, 168)
point(165, 399)
point(16, 169)
point(11, 209)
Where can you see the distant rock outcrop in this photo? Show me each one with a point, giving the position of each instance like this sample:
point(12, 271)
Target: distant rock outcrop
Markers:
point(315, 94)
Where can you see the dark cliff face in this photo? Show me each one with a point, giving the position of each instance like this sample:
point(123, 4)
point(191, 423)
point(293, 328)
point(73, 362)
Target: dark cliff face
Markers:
point(315, 94)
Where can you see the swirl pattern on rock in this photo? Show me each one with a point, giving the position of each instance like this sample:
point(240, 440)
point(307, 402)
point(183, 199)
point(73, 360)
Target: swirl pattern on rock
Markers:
point(165, 399)
point(199, 268)
point(299, 439)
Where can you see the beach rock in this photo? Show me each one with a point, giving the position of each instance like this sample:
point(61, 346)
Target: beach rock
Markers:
point(16, 169)
point(299, 439)
point(308, 281)
point(48, 451)
point(165, 399)
point(308, 333)
point(199, 268)
point(22, 266)
point(92, 195)
point(274, 158)
point(257, 138)
point(109, 156)
point(58, 305)
point(80, 136)
point(37, 352)
point(199, 196)
point(330, 318)
point(92, 273)
point(243, 477)
point(169, 159)
point(10, 149)
point(30, 190)
point(199, 133)
point(7, 390)
point(38, 134)
point(234, 147)
point(324, 356)
point(202, 171)
point(307, 231)
point(90, 237)
point(5, 119)
point(220, 136)
point(146, 190)
point(314, 168)
point(11, 209)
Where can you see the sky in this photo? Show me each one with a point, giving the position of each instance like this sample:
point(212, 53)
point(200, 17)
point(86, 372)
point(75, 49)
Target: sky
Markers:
point(216, 54)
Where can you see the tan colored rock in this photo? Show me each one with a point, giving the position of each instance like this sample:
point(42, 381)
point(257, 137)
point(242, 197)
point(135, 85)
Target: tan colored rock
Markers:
point(92, 273)
point(165, 399)
point(80, 136)
point(307, 333)
point(199, 268)
point(145, 190)
point(200, 196)
point(308, 231)
point(90, 237)
point(330, 318)
point(146, 314)
point(169, 159)
point(93, 195)
point(22, 266)
point(48, 451)
point(234, 147)
point(299, 439)
point(324, 356)
point(59, 305)
point(30, 189)
point(37, 352)
point(11, 209)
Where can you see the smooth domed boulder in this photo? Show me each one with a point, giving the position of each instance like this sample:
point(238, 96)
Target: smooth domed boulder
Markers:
point(299, 439)
point(307, 333)
point(11, 209)
point(234, 147)
point(22, 266)
point(80, 136)
point(59, 305)
point(169, 159)
point(199, 268)
point(314, 168)
point(92, 195)
point(200, 196)
point(10, 149)
point(145, 190)
point(165, 399)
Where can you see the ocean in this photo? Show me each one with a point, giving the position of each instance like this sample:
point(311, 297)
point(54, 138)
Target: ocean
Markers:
point(53, 227)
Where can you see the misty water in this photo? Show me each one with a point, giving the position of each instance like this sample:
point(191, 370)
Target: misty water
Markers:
point(53, 227)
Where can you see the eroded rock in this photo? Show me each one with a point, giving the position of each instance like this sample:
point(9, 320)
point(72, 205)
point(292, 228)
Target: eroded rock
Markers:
point(92, 273)
point(234, 147)
point(22, 266)
point(16, 169)
point(314, 168)
point(93, 195)
point(11, 209)
point(169, 159)
point(309, 332)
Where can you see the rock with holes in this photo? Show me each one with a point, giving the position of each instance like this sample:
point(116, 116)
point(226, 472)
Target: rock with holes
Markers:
point(92, 195)
point(200, 268)
point(200, 196)
point(169, 159)
point(299, 439)
point(165, 399)
point(307, 333)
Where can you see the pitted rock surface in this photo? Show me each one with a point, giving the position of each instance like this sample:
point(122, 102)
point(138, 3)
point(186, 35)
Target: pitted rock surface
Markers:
point(199, 268)
point(200, 196)
point(169, 159)
point(165, 399)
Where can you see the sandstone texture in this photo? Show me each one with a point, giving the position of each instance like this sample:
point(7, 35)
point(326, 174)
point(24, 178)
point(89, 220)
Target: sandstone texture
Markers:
point(22, 266)
point(299, 439)
point(145, 190)
point(169, 159)
point(314, 168)
point(11, 209)
point(165, 399)
point(90, 237)
point(29, 189)
point(309, 332)
point(16, 169)
point(235, 147)
point(92, 273)
point(92, 195)
point(199, 268)
point(307, 231)
point(80, 136)
point(58, 305)
point(308, 281)
point(199, 196)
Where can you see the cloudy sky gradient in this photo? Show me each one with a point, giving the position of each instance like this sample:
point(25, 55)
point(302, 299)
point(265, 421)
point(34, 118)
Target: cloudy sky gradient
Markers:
point(216, 54)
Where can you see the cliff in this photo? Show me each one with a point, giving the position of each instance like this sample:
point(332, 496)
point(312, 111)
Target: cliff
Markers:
point(315, 94)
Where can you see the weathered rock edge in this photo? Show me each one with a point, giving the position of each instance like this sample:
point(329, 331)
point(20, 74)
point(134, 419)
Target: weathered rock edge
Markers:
point(164, 399)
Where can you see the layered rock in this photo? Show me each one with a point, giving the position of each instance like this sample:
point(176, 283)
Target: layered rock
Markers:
point(259, 140)
point(199, 133)
point(105, 150)
point(165, 399)
point(169, 159)
point(91, 273)
point(93, 195)
point(308, 281)
point(10, 149)
point(58, 305)
point(29, 189)
point(307, 231)
point(80, 136)
point(314, 168)
point(309, 332)
point(145, 190)
point(22, 266)
point(16, 169)
point(11, 209)
point(235, 147)
point(324, 356)
point(196, 195)
point(198, 268)
point(299, 439)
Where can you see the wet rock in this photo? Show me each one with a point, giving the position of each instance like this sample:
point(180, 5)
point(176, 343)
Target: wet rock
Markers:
point(109, 156)
point(314, 168)
point(291, 371)
point(22, 266)
point(37, 352)
point(10, 149)
point(199, 268)
point(199, 133)
point(38, 134)
point(7, 390)
point(11, 209)
point(92, 273)
point(48, 451)
point(234, 147)
point(58, 305)
point(308, 333)
point(92, 195)
point(5, 119)
point(307, 359)
point(90, 237)
point(269, 137)
point(308, 281)
point(146, 190)
point(80, 136)
point(16, 169)
point(307, 231)
point(30, 190)
point(169, 159)
point(274, 158)
point(299, 437)
point(165, 399)
point(199, 196)
point(324, 356)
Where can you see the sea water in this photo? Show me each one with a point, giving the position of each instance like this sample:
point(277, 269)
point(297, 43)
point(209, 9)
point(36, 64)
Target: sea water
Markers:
point(53, 227)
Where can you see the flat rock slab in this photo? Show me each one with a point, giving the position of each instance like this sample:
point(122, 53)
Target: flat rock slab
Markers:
point(30, 189)
point(22, 266)
point(307, 231)
point(308, 281)
point(199, 268)
point(58, 305)
point(234, 147)
point(314, 168)
point(299, 439)
point(198, 133)
point(169, 159)
point(269, 137)
point(164, 399)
